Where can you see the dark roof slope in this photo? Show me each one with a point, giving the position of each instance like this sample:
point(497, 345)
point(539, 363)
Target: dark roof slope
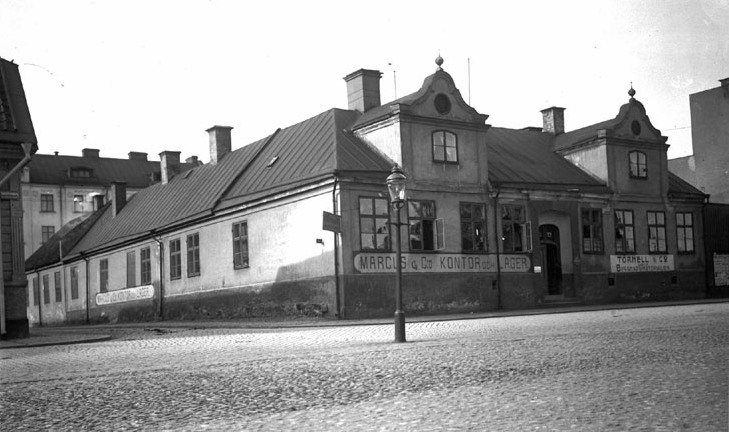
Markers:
point(16, 125)
point(297, 155)
point(55, 170)
point(526, 157)
point(680, 187)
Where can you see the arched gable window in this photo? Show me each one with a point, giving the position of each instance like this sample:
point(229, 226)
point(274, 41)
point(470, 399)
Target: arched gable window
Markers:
point(638, 164)
point(445, 147)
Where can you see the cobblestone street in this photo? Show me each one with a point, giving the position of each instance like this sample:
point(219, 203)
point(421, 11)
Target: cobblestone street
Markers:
point(648, 369)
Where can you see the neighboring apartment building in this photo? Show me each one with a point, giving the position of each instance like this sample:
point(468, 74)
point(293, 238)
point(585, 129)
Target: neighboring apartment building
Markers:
point(708, 167)
point(17, 145)
point(300, 222)
point(61, 189)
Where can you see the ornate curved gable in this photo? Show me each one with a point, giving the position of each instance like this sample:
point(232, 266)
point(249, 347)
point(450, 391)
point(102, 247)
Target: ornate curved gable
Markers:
point(633, 123)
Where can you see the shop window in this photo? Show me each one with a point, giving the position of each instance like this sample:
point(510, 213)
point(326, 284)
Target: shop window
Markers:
point(374, 214)
point(74, 282)
point(145, 266)
point(592, 231)
point(193, 255)
point(104, 275)
point(685, 232)
point(47, 232)
point(656, 232)
point(624, 231)
point(515, 230)
point(131, 269)
point(57, 286)
point(36, 292)
point(473, 227)
point(638, 165)
point(78, 203)
point(175, 259)
point(46, 290)
point(46, 203)
point(240, 245)
point(445, 147)
point(425, 231)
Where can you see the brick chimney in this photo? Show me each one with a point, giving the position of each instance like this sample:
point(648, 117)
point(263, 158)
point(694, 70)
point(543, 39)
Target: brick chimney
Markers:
point(363, 89)
point(118, 197)
point(553, 119)
point(98, 201)
point(138, 156)
point(169, 165)
point(90, 153)
point(220, 143)
point(193, 160)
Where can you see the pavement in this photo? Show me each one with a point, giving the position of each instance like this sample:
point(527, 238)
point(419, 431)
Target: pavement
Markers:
point(66, 335)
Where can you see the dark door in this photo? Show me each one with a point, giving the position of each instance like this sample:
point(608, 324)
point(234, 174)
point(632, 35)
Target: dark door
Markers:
point(549, 237)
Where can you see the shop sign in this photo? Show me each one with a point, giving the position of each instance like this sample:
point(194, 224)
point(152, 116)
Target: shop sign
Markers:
point(441, 263)
point(721, 269)
point(640, 263)
point(125, 295)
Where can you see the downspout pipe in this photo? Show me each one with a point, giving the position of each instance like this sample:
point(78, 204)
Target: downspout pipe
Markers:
point(336, 251)
point(88, 290)
point(27, 148)
point(40, 299)
point(499, 306)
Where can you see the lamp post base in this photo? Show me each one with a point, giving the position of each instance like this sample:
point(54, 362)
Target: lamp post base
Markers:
point(399, 326)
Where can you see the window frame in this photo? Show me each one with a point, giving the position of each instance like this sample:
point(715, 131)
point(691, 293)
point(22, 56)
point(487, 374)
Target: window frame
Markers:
point(634, 167)
point(193, 254)
point(444, 153)
point(241, 251)
point(131, 269)
point(658, 229)
point(74, 282)
point(36, 292)
point(434, 227)
point(520, 225)
point(78, 205)
point(625, 240)
point(470, 231)
point(46, 289)
point(104, 275)
point(683, 227)
point(596, 238)
point(145, 266)
point(57, 287)
point(175, 259)
point(47, 204)
point(47, 232)
point(374, 217)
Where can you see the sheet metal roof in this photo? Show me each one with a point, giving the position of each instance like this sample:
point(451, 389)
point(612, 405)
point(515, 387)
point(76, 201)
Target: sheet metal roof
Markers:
point(524, 156)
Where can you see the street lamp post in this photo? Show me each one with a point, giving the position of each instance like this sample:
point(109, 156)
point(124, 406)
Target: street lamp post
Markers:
point(396, 187)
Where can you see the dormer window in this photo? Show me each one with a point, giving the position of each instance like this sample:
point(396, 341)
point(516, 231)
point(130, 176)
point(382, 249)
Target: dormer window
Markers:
point(445, 147)
point(80, 172)
point(638, 165)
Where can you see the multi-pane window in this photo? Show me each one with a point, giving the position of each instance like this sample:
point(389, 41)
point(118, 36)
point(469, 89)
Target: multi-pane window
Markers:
point(78, 203)
point(57, 286)
point(46, 289)
point(104, 275)
point(145, 266)
point(193, 255)
point(240, 245)
point(426, 233)
point(656, 232)
point(445, 147)
point(131, 269)
point(513, 228)
point(47, 232)
point(624, 231)
point(638, 164)
point(685, 232)
point(36, 292)
point(374, 214)
point(175, 259)
point(74, 282)
point(592, 230)
point(46, 202)
point(473, 227)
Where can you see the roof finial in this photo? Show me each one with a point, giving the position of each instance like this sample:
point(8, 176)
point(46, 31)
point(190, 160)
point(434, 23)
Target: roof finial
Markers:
point(631, 92)
point(439, 61)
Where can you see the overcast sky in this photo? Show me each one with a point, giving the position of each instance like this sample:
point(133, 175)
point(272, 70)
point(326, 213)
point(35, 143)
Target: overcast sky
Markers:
point(150, 76)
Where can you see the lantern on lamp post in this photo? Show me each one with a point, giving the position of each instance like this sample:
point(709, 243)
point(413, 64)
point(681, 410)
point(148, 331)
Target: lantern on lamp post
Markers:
point(396, 187)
